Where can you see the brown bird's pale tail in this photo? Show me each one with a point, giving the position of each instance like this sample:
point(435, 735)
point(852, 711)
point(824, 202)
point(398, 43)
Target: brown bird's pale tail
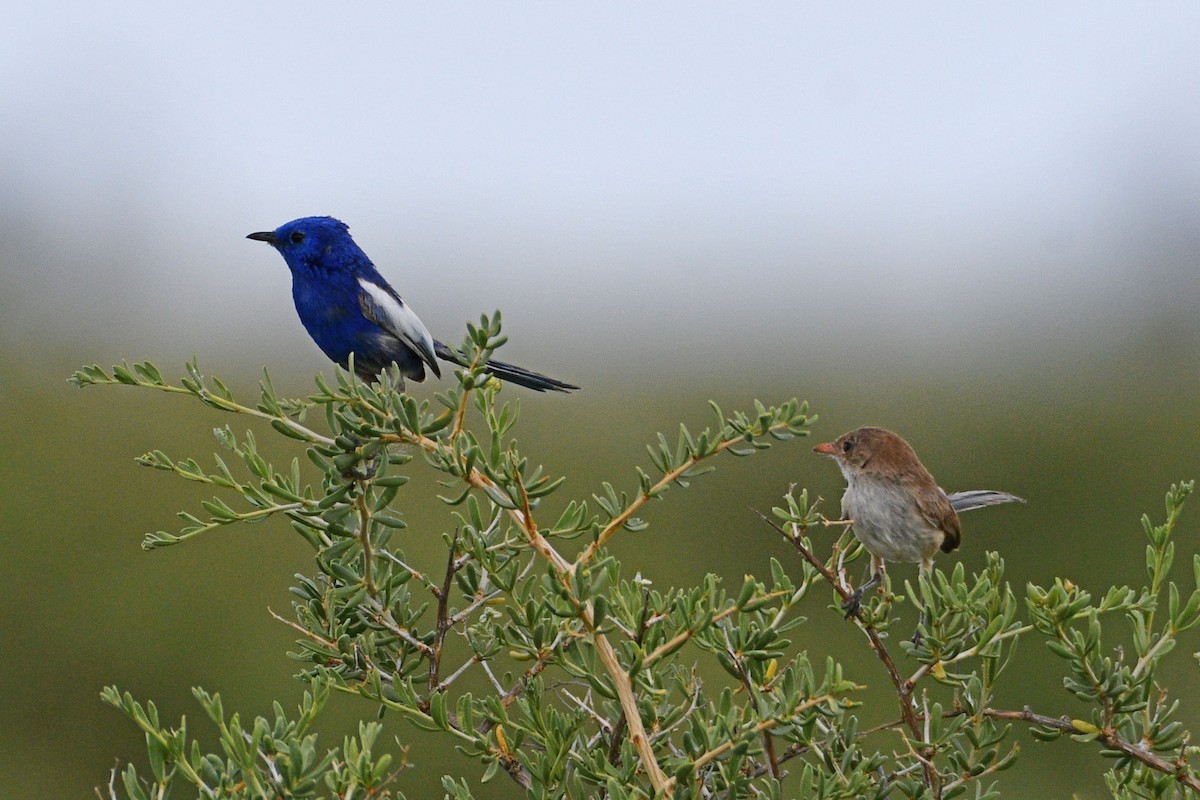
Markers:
point(980, 498)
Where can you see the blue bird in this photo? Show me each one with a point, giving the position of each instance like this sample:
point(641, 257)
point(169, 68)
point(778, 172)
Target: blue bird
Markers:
point(347, 307)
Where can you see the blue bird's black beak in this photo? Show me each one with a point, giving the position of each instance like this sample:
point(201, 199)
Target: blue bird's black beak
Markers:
point(264, 236)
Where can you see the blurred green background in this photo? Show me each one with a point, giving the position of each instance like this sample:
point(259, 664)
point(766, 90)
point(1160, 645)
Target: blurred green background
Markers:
point(975, 227)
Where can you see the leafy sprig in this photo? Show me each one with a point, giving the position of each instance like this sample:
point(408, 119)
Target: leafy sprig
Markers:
point(591, 682)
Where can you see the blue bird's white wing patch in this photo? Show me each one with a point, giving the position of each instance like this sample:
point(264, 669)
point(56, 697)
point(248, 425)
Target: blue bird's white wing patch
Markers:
point(385, 308)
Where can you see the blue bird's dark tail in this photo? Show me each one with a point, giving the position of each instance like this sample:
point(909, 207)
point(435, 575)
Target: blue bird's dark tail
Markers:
point(510, 373)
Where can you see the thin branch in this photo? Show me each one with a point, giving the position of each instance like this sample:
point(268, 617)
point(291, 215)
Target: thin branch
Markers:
point(478, 480)
point(474, 659)
point(321, 526)
point(384, 617)
point(996, 766)
point(543, 658)
point(460, 413)
point(416, 573)
point(637, 731)
point(420, 712)
point(364, 537)
point(442, 623)
point(903, 687)
point(303, 631)
point(763, 725)
point(683, 636)
point(1144, 661)
point(112, 786)
point(1108, 736)
point(604, 649)
point(896, 723)
point(224, 404)
point(693, 704)
point(618, 522)
point(475, 604)
point(246, 516)
point(591, 712)
point(790, 752)
point(406, 710)
point(622, 627)
point(485, 598)
point(512, 765)
point(753, 697)
point(487, 669)
point(614, 745)
point(507, 697)
point(971, 652)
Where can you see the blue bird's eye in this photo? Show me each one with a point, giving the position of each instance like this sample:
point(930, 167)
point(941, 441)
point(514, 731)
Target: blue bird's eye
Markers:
point(297, 237)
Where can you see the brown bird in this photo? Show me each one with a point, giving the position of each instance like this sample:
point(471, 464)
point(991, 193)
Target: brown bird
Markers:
point(898, 511)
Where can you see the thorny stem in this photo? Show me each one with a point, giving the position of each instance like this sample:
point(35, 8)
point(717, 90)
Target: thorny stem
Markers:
point(608, 656)
point(460, 413)
point(247, 516)
point(223, 404)
point(507, 698)
point(1108, 736)
point(563, 568)
point(671, 644)
point(637, 731)
point(970, 652)
point(304, 631)
point(752, 696)
point(421, 576)
point(511, 764)
point(364, 536)
point(470, 662)
point(614, 746)
point(1144, 661)
point(904, 688)
point(442, 623)
point(617, 522)
point(763, 725)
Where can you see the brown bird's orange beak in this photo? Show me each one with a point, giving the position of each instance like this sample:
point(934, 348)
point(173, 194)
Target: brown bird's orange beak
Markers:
point(826, 449)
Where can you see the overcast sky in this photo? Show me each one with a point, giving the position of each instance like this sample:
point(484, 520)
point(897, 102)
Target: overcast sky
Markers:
point(934, 173)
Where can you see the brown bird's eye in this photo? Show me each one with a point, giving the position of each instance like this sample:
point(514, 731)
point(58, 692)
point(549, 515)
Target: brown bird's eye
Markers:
point(297, 237)
point(846, 446)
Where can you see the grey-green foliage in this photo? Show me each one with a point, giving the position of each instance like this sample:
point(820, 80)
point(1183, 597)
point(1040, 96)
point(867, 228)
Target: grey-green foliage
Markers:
point(270, 758)
point(593, 678)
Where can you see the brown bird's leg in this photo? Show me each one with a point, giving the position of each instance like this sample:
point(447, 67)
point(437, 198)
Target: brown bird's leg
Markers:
point(854, 601)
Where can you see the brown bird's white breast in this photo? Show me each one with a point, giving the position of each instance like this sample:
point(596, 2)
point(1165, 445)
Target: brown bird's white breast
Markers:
point(887, 520)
